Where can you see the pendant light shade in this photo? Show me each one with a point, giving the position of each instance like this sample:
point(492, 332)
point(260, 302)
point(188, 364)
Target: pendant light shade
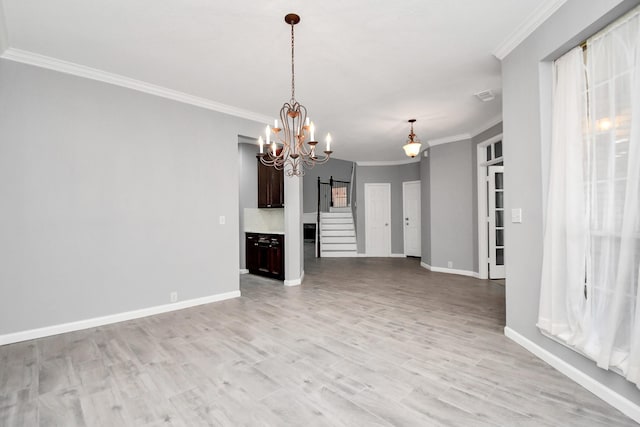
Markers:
point(412, 147)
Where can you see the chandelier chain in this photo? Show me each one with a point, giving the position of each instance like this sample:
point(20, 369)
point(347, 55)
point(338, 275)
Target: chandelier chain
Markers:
point(293, 74)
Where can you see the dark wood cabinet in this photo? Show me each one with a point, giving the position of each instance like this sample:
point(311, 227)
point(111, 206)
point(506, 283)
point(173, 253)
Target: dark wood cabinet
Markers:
point(252, 252)
point(270, 187)
point(265, 254)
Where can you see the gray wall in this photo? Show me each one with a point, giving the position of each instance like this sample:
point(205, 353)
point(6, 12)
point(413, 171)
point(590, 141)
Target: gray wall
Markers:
point(110, 199)
point(425, 208)
point(527, 113)
point(478, 139)
point(451, 201)
point(4, 36)
point(339, 169)
point(395, 175)
point(248, 188)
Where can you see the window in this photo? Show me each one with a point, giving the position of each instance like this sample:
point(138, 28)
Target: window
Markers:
point(494, 153)
point(589, 288)
point(339, 197)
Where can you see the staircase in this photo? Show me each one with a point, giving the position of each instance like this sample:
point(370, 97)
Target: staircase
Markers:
point(337, 234)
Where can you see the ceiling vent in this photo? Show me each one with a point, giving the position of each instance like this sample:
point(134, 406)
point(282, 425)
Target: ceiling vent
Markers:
point(485, 95)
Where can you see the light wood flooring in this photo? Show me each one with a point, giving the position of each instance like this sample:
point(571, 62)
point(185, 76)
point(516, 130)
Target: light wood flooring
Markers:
point(364, 342)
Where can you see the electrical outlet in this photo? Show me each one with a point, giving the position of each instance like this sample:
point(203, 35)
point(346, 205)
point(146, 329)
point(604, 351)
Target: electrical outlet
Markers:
point(173, 296)
point(223, 220)
point(450, 264)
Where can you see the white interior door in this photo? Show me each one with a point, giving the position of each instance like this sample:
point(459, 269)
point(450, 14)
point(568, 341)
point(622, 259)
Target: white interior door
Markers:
point(377, 219)
point(495, 203)
point(411, 215)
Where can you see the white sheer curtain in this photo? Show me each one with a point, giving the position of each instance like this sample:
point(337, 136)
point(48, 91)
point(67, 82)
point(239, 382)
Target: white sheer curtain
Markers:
point(589, 290)
point(562, 303)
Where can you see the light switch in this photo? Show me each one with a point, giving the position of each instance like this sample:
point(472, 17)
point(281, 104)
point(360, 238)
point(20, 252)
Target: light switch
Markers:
point(516, 215)
point(223, 220)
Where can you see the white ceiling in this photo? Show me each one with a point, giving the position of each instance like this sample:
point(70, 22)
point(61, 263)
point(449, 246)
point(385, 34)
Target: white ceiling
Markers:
point(363, 67)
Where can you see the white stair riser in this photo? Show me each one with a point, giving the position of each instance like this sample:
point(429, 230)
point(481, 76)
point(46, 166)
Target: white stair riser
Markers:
point(338, 233)
point(339, 247)
point(336, 221)
point(337, 227)
point(335, 215)
point(336, 210)
point(338, 239)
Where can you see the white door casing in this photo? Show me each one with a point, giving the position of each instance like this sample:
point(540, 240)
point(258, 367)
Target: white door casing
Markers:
point(483, 208)
point(495, 180)
point(411, 218)
point(377, 218)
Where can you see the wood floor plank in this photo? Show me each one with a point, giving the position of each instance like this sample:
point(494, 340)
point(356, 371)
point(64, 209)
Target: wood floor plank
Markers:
point(364, 341)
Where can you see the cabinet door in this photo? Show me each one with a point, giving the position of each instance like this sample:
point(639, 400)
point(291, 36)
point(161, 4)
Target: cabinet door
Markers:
point(277, 188)
point(276, 257)
point(251, 252)
point(264, 184)
point(270, 187)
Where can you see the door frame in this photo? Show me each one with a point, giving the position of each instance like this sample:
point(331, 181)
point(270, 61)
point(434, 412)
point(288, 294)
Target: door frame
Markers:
point(366, 186)
point(483, 234)
point(404, 215)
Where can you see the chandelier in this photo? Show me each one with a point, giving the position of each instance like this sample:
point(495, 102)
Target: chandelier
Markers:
point(288, 146)
point(412, 147)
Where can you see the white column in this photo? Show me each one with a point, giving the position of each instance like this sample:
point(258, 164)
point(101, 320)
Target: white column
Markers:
point(293, 242)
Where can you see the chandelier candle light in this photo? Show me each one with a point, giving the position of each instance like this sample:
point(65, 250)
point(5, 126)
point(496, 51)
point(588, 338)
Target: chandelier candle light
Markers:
point(290, 148)
point(412, 147)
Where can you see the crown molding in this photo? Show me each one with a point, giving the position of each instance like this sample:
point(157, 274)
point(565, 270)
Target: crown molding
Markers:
point(447, 139)
point(416, 159)
point(42, 61)
point(487, 126)
point(4, 33)
point(524, 30)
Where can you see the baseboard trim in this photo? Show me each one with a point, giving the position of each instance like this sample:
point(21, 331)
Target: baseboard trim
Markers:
point(450, 270)
point(614, 399)
point(295, 282)
point(398, 256)
point(111, 318)
point(244, 271)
